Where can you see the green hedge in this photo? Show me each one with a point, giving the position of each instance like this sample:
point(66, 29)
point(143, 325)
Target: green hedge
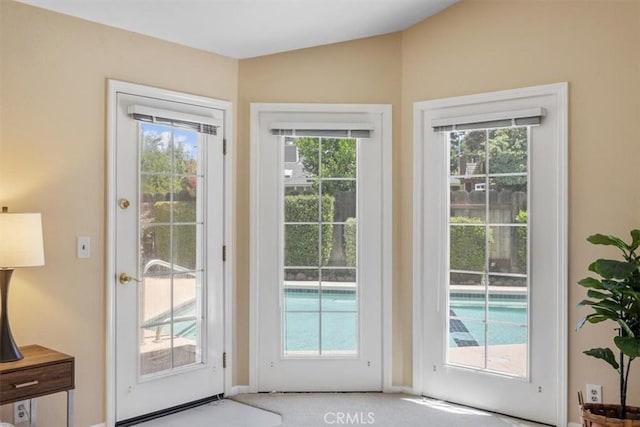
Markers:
point(350, 241)
point(301, 241)
point(184, 235)
point(521, 234)
point(467, 245)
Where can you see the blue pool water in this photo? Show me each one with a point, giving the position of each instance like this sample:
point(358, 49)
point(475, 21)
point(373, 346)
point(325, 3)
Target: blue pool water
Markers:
point(335, 328)
point(506, 323)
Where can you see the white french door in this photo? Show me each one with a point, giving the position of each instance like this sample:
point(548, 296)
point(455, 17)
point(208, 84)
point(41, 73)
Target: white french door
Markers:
point(169, 228)
point(319, 247)
point(490, 251)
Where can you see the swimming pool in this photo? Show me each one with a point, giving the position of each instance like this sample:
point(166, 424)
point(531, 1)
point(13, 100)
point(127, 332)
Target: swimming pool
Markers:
point(332, 323)
point(307, 326)
point(311, 323)
point(507, 324)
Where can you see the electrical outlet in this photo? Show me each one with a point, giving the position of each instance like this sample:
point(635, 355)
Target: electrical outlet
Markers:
point(21, 411)
point(594, 393)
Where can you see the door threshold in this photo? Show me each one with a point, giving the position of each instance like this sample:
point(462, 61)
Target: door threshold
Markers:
point(164, 412)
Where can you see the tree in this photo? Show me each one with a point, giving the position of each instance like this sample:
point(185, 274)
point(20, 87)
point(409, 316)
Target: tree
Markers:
point(507, 149)
point(508, 154)
point(469, 145)
point(329, 158)
point(160, 159)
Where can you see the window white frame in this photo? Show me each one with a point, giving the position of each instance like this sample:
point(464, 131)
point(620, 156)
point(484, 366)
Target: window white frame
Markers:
point(113, 87)
point(560, 92)
point(387, 243)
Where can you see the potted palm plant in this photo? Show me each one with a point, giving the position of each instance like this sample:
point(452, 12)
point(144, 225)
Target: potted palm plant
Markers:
point(615, 296)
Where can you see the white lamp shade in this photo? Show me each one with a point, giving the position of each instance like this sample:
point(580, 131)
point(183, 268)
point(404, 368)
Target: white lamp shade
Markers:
point(21, 242)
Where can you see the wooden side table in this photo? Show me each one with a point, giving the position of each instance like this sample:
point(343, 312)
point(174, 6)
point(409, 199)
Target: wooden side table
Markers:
point(42, 371)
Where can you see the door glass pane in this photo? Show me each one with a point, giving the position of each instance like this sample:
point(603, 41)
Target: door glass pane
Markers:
point(301, 300)
point(187, 317)
point(508, 249)
point(467, 206)
point(508, 150)
point(339, 222)
point(301, 277)
point(185, 246)
point(338, 158)
point(339, 300)
point(507, 199)
point(339, 333)
point(301, 245)
point(341, 283)
point(301, 333)
point(488, 262)
point(171, 265)
point(155, 331)
point(467, 245)
point(507, 349)
point(156, 151)
point(301, 206)
point(467, 296)
point(467, 157)
point(320, 315)
point(466, 343)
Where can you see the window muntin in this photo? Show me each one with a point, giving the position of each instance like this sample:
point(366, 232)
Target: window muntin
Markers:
point(320, 289)
point(488, 280)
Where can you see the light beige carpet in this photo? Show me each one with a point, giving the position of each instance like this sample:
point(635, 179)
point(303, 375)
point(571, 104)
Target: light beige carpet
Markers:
point(374, 409)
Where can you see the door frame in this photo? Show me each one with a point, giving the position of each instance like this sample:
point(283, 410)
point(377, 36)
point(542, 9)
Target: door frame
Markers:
point(560, 91)
point(387, 222)
point(113, 88)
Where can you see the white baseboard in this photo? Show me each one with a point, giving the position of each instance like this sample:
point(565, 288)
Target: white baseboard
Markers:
point(239, 389)
point(99, 425)
point(401, 389)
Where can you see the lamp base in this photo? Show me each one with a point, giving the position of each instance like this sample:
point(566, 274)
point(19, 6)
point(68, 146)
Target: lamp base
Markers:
point(9, 351)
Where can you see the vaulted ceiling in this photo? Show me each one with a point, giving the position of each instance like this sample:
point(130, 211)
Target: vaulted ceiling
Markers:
point(249, 28)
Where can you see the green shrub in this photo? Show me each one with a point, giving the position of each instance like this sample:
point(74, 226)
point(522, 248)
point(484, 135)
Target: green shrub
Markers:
point(301, 240)
point(350, 241)
point(184, 236)
point(521, 234)
point(467, 244)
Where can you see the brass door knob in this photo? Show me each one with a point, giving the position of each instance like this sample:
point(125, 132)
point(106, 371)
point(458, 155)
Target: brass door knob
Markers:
point(124, 203)
point(125, 278)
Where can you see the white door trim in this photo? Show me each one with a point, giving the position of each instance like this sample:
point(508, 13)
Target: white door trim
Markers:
point(385, 110)
point(113, 87)
point(560, 91)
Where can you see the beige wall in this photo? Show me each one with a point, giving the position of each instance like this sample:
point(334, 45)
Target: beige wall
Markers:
point(52, 144)
point(52, 159)
point(481, 46)
point(362, 71)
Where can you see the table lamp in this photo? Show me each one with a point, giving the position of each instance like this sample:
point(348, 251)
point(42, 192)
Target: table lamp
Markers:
point(20, 246)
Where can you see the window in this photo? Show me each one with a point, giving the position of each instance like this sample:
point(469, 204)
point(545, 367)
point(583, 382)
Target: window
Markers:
point(171, 247)
point(320, 248)
point(488, 254)
point(490, 285)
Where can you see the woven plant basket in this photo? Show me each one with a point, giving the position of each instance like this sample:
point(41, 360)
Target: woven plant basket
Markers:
point(603, 415)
